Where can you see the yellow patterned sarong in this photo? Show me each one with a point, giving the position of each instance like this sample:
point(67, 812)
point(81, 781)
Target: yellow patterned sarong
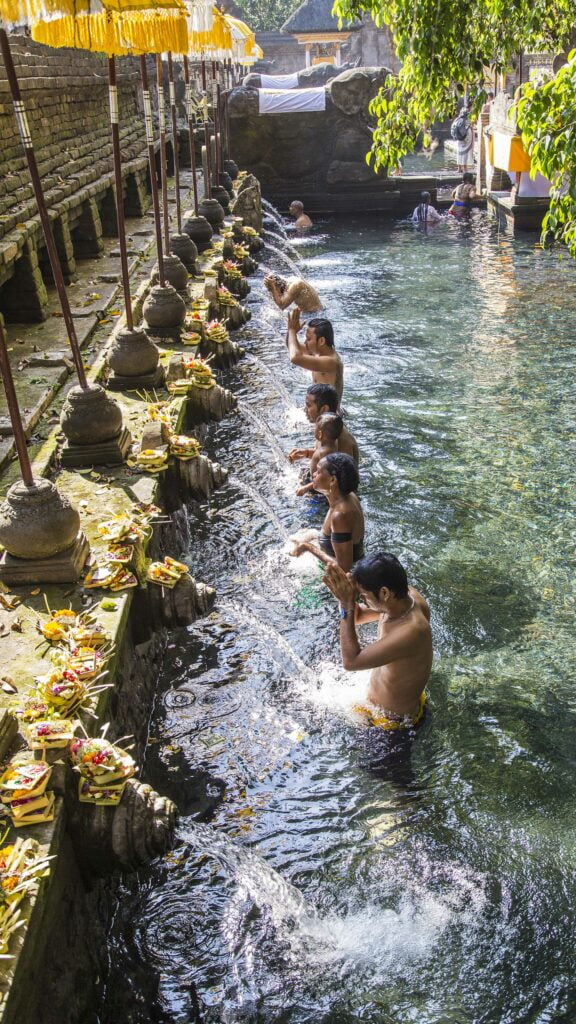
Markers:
point(387, 719)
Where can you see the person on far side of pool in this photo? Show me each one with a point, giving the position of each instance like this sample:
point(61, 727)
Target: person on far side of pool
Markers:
point(302, 220)
point(327, 431)
point(401, 656)
point(316, 353)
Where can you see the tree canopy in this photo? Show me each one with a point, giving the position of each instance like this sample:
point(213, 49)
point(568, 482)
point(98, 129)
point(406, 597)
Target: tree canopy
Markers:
point(267, 14)
point(445, 47)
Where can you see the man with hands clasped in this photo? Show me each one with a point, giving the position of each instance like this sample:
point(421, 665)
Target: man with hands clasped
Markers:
point(376, 589)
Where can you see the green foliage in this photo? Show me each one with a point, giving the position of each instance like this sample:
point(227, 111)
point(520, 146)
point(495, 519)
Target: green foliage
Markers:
point(546, 115)
point(267, 14)
point(445, 47)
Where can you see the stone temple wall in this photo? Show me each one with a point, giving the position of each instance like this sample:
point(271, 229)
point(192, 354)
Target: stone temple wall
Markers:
point(65, 93)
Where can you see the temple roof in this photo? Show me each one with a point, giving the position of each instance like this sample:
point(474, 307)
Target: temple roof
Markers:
point(315, 16)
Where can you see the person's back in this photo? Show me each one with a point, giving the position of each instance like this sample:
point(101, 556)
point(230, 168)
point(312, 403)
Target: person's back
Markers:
point(425, 214)
point(397, 685)
point(463, 195)
point(347, 445)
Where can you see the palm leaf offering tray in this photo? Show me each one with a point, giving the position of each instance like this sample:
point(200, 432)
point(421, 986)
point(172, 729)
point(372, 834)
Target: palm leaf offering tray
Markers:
point(184, 447)
point(225, 297)
point(232, 270)
point(22, 866)
point(50, 733)
point(23, 792)
point(104, 770)
point(151, 460)
point(215, 331)
point(199, 374)
point(167, 573)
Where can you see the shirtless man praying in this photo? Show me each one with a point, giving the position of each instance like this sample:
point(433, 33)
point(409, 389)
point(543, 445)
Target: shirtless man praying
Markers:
point(316, 352)
point(401, 656)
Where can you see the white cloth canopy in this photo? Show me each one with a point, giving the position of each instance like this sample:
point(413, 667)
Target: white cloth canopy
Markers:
point(279, 81)
point(295, 101)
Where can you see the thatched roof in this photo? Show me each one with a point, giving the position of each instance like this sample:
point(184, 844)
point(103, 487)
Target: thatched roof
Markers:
point(315, 16)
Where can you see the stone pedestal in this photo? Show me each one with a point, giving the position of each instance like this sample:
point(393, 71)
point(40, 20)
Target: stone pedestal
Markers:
point(185, 249)
point(208, 404)
point(39, 529)
point(220, 194)
point(212, 211)
point(164, 311)
point(65, 567)
point(134, 359)
point(198, 229)
point(174, 271)
point(92, 424)
point(104, 453)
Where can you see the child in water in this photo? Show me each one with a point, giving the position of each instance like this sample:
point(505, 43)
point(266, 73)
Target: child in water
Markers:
point(328, 428)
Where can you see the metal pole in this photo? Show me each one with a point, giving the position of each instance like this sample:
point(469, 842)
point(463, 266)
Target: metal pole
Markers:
point(152, 165)
point(190, 115)
point(55, 264)
point(163, 168)
point(208, 182)
point(14, 410)
point(216, 107)
point(113, 94)
point(175, 142)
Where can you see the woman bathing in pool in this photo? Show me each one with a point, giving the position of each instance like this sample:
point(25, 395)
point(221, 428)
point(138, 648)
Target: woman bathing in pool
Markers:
point(342, 536)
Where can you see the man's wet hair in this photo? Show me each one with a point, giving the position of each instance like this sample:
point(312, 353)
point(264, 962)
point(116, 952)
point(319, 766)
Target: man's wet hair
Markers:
point(322, 329)
point(468, 178)
point(298, 203)
point(280, 282)
point(381, 570)
point(331, 425)
point(324, 394)
point(344, 469)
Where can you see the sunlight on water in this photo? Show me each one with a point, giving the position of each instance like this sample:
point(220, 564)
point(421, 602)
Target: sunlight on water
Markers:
point(348, 875)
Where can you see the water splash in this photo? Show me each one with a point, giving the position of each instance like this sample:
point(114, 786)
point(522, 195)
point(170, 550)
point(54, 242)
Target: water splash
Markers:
point(264, 631)
point(265, 431)
point(274, 215)
point(260, 503)
point(282, 243)
point(294, 269)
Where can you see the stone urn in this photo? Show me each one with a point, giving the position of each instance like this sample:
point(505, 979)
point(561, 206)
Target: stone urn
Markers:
point(37, 522)
point(226, 181)
point(174, 271)
point(231, 168)
point(198, 229)
point(132, 354)
point(211, 209)
point(222, 196)
point(184, 248)
point(164, 307)
point(90, 416)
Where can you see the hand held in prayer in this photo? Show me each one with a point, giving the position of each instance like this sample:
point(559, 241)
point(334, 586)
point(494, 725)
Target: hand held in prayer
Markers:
point(340, 584)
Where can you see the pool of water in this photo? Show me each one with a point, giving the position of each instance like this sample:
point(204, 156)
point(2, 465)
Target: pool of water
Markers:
point(304, 888)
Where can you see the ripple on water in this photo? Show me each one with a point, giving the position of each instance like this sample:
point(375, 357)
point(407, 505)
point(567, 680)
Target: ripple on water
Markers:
point(437, 888)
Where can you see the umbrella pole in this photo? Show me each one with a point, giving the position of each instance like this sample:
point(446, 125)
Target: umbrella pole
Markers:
point(191, 132)
point(55, 264)
point(163, 168)
point(14, 410)
point(217, 118)
point(113, 94)
point(208, 182)
point(175, 142)
point(152, 164)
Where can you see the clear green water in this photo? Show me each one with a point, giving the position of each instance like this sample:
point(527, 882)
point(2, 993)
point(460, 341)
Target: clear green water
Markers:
point(304, 888)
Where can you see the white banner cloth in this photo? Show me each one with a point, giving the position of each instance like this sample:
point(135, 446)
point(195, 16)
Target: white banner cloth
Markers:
point(280, 81)
point(297, 101)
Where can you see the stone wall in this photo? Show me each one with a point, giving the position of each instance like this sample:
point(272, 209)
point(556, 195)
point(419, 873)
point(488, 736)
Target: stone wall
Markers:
point(65, 93)
point(282, 50)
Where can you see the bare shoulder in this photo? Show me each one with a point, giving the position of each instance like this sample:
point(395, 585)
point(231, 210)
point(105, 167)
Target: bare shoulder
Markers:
point(420, 602)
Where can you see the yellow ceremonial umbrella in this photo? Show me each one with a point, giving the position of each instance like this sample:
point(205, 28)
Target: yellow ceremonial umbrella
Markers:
point(126, 27)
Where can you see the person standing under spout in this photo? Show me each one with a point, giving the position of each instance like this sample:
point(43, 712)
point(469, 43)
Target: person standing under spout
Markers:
point(401, 656)
point(294, 290)
point(316, 353)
